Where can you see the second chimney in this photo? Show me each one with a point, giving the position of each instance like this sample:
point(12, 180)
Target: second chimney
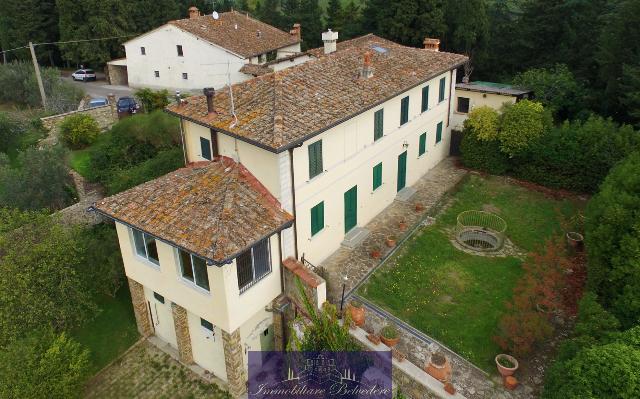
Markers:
point(431, 44)
point(296, 31)
point(366, 72)
point(210, 92)
point(329, 38)
point(194, 12)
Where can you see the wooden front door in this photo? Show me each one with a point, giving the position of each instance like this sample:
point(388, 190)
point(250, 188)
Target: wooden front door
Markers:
point(402, 170)
point(350, 208)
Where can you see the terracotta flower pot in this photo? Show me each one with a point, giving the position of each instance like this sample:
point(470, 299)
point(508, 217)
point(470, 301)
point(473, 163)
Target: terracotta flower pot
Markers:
point(449, 388)
point(376, 254)
point(575, 240)
point(503, 370)
point(390, 242)
point(419, 207)
point(510, 382)
point(390, 342)
point(402, 225)
point(439, 367)
point(374, 339)
point(357, 315)
point(399, 356)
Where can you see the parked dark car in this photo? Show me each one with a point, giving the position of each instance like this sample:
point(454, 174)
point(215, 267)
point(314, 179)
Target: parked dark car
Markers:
point(127, 106)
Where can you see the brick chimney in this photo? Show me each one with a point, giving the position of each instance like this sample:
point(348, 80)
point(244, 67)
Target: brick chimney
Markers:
point(366, 72)
point(329, 38)
point(431, 44)
point(194, 12)
point(210, 92)
point(296, 31)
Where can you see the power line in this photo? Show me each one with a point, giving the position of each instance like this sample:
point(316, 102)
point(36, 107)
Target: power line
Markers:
point(13, 49)
point(86, 40)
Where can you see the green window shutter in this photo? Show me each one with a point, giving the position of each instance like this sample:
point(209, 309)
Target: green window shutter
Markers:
point(439, 132)
point(442, 88)
point(422, 148)
point(377, 175)
point(317, 218)
point(425, 99)
point(404, 110)
point(315, 159)
point(378, 123)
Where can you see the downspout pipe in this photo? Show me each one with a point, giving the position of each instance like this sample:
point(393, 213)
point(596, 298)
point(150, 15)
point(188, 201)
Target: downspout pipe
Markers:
point(293, 200)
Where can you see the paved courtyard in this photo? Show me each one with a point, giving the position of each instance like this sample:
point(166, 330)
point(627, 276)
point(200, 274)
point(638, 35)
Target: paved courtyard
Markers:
point(147, 372)
point(356, 263)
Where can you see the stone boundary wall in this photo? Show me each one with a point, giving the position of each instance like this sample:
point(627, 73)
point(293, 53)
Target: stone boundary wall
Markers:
point(314, 285)
point(106, 116)
point(409, 378)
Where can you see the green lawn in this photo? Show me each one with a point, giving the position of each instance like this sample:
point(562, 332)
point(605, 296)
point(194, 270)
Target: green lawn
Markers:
point(455, 297)
point(79, 161)
point(112, 332)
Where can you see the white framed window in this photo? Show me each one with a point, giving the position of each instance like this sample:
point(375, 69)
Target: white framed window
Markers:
point(145, 246)
point(194, 269)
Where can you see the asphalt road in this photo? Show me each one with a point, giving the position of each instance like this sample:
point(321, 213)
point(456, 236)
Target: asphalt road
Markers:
point(100, 88)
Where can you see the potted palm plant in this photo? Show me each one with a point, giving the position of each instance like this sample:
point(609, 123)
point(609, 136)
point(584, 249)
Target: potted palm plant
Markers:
point(389, 335)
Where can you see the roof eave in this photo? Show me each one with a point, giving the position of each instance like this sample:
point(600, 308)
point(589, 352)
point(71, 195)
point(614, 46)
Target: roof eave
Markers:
point(209, 261)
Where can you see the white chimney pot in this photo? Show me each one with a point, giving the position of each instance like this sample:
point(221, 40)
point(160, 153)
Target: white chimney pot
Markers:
point(330, 39)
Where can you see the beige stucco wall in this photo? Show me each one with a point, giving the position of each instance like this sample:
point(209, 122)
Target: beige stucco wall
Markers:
point(207, 348)
point(349, 155)
point(207, 65)
point(261, 163)
point(476, 99)
point(223, 305)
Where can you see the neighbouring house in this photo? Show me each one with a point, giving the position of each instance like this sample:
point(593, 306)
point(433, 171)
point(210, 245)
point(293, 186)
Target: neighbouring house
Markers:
point(477, 94)
point(201, 51)
point(297, 165)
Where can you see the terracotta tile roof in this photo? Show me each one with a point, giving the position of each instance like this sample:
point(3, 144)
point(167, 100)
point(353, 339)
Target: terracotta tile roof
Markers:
point(212, 209)
point(244, 40)
point(255, 69)
point(278, 110)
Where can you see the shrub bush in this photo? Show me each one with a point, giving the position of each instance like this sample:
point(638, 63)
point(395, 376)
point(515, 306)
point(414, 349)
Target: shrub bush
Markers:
point(163, 163)
point(521, 124)
point(39, 180)
point(43, 365)
point(576, 155)
point(613, 241)
point(483, 122)
point(152, 100)
point(79, 131)
point(483, 155)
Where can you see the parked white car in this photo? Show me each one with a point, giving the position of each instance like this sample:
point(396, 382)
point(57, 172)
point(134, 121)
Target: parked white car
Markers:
point(84, 75)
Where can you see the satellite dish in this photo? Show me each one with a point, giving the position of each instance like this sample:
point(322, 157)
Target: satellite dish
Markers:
point(215, 15)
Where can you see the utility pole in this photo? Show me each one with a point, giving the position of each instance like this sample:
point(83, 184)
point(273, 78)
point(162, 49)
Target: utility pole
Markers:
point(38, 77)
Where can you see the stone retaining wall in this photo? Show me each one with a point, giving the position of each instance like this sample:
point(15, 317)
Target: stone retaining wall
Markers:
point(106, 116)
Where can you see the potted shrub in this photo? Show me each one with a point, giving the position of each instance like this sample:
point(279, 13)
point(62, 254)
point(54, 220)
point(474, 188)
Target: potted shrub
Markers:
point(402, 225)
point(507, 364)
point(356, 310)
point(439, 367)
point(389, 335)
point(390, 241)
point(376, 253)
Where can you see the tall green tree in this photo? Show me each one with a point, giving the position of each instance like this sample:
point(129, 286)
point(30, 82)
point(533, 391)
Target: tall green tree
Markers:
point(93, 20)
point(43, 365)
point(335, 16)
point(352, 20)
point(618, 58)
point(467, 27)
point(41, 283)
point(405, 21)
point(22, 21)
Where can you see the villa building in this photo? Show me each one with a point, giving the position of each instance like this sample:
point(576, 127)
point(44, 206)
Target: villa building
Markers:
point(477, 94)
point(203, 51)
point(289, 164)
